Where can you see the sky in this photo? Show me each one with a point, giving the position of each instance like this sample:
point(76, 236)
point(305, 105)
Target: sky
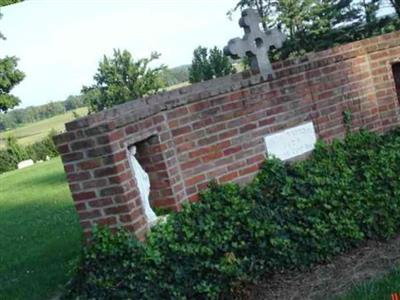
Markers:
point(59, 43)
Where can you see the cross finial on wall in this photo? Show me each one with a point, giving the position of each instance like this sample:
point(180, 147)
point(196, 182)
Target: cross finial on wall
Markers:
point(255, 43)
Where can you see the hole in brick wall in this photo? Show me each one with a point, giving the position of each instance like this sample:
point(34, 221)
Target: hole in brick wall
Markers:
point(150, 157)
point(396, 76)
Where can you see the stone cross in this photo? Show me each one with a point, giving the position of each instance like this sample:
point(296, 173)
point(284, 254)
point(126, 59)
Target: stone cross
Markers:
point(255, 43)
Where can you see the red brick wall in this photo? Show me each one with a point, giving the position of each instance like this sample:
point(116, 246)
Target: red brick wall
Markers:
point(215, 129)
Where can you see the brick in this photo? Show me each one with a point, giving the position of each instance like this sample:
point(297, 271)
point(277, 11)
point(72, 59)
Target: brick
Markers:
point(100, 151)
point(106, 221)
point(119, 199)
point(120, 178)
point(71, 157)
point(94, 183)
point(232, 150)
point(115, 190)
point(80, 123)
point(80, 206)
point(249, 170)
point(119, 209)
point(131, 129)
point(103, 128)
point(211, 156)
point(202, 186)
point(179, 112)
point(190, 164)
point(84, 196)
point(115, 135)
point(74, 187)
point(228, 134)
point(109, 171)
point(267, 121)
point(86, 215)
point(78, 176)
point(193, 198)
point(131, 217)
point(208, 140)
point(255, 159)
point(63, 138)
point(102, 202)
point(194, 180)
point(69, 168)
point(90, 164)
point(181, 130)
point(158, 119)
point(82, 145)
point(199, 106)
point(228, 177)
point(114, 158)
point(63, 149)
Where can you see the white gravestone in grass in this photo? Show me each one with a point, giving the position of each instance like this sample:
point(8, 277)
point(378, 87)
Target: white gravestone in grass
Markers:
point(143, 184)
point(291, 142)
point(25, 164)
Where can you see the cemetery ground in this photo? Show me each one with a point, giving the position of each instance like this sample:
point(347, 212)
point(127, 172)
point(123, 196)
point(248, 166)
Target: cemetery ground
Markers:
point(40, 244)
point(39, 230)
point(37, 131)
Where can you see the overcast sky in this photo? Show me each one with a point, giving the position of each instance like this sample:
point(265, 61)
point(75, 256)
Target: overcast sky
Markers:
point(60, 42)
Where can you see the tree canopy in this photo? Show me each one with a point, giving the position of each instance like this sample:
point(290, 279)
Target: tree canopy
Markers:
point(9, 2)
point(10, 76)
point(313, 25)
point(207, 64)
point(120, 79)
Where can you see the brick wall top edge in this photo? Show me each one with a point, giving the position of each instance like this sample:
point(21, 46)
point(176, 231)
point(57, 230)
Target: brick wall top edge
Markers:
point(150, 105)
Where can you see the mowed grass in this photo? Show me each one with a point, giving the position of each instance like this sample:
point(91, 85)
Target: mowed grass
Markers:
point(34, 132)
point(39, 232)
point(379, 288)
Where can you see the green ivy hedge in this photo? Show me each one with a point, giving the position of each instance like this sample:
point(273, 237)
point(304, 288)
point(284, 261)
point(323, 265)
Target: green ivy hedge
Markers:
point(290, 216)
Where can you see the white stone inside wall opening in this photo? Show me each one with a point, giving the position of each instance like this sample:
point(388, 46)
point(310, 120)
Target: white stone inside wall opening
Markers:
point(144, 186)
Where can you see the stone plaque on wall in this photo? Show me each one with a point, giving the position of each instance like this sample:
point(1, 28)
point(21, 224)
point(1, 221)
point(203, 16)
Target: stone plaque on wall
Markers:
point(291, 142)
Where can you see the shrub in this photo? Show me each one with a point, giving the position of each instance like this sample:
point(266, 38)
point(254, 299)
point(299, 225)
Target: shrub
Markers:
point(11, 155)
point(15, 153)
point(290, 216)
point(43, 149)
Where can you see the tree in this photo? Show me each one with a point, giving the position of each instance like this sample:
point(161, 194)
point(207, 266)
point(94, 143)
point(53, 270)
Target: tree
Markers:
point(120, 79)
point(172, 76)
point(310, 25)
point(207, 65)
point(396, 5)
point(73, 102)
point(370, 8)
point(10, 76)
point(265, 9)
point(9, 2)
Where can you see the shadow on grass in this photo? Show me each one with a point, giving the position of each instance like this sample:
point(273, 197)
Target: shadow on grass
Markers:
point(40, 245)
point(45, 179)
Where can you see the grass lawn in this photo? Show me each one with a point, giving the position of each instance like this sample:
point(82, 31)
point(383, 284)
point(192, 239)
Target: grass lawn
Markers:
point(376, 289)
point(39, 232)
point(34, 132)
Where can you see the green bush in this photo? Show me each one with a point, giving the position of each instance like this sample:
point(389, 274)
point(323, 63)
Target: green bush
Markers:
point(15, 153)
point(42, 149)
point(290, 216)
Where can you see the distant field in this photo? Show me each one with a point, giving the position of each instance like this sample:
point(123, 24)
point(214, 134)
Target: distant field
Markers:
point(177, 86)
point(40, 235)
point(34, 132)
